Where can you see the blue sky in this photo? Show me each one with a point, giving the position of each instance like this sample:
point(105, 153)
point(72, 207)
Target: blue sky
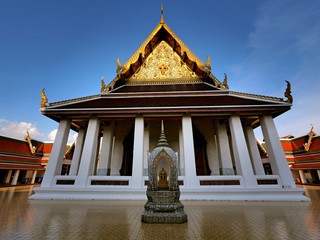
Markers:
point(66, 46)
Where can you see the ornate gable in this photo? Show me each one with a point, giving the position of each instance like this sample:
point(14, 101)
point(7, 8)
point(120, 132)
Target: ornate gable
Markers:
point(163, 64)
point(163, 58)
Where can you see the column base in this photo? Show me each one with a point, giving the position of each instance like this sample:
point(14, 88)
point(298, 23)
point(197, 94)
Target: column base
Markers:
point(102, 172)
point(227, 171)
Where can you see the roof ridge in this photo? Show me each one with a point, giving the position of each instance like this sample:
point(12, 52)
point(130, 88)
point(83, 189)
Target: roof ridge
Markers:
point(258, 96)
point(72, 100)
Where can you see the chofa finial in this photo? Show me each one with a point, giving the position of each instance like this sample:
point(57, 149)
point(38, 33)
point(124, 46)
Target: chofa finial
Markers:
point(208, 63)
point(44, 99)
point(287, 93)
point(119, 67)
point(104, 87)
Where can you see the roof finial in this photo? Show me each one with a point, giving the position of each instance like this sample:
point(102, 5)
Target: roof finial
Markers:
point(44, 99)
point(288, 93)
point(162, 17)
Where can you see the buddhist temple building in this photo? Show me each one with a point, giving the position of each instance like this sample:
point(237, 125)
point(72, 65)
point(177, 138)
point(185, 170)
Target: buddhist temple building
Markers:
point(207, 124)
point(22, 161)
point(303, 156)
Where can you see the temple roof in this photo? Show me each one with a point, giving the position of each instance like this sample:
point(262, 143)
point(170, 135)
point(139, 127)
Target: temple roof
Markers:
point(163, 58)
point(164, 77)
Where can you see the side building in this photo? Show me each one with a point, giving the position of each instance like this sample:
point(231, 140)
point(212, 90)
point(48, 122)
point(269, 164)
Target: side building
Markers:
point(25, 161)
point(303, 156)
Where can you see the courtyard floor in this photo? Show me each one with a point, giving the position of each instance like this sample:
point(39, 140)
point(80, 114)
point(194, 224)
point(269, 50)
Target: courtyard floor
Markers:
point(21, 218)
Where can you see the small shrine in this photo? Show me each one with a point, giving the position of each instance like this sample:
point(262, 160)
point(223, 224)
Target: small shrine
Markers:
point(163, 205)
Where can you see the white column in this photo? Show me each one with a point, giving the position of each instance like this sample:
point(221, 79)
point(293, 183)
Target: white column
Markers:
point(276, 155)
point(318, 171)
point(89, 153)
point(106, 149)
point(137, 164)
point(15, 177)
point(191, 180)
point(77, 153)
point(254, 151)
point(224, 149)
point(181, 153)
point(8, 177)
point(240, 151)
point(34, 174)
point(56, 157)
point(302, 177)
point(146, 144)
point(212, 151)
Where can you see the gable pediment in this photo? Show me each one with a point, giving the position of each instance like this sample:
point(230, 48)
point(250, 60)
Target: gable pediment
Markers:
point(163, 65)
point(163, 58)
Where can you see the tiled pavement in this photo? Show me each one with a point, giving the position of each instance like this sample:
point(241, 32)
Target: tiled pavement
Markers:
point(52, 219)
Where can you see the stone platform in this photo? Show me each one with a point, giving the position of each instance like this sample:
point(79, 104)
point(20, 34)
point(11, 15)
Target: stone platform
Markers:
point(164, 207)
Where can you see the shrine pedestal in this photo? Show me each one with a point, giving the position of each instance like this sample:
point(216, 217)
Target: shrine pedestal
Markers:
point(164, 207)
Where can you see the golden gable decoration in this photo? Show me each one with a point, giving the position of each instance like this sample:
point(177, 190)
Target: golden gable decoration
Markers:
point(163, 64)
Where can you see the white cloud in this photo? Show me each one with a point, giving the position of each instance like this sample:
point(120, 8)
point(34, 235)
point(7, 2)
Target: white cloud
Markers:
point(72, 136)
point(52, 134)
point(18, 130)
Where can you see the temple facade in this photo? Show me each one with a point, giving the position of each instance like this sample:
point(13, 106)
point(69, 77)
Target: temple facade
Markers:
point(208, 125)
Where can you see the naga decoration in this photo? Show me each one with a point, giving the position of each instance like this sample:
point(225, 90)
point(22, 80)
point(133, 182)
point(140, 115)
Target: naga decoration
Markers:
point(225, 82)
point(28, 139)
point(104, 87)
point(207, 65)
point(44, 99)
point(311, 135)
point(287, 93)
point(119, 67)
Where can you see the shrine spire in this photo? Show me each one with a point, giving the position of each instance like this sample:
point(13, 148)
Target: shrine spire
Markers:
point(162, 140)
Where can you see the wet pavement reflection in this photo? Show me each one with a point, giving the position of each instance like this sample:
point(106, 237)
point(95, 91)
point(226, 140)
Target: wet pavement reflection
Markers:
point(21, 218)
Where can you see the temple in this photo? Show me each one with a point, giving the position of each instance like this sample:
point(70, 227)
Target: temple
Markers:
point(303, 156)
point(23, 161)
point(208, 125)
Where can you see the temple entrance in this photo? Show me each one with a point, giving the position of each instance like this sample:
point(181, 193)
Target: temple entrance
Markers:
point(126, 167)
point(200, 152)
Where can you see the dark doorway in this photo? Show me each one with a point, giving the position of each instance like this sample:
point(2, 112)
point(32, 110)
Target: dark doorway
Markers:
point(200, 150)
point(126, 167)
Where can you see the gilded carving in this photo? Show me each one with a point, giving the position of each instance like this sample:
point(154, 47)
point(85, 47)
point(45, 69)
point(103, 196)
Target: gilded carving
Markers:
point(44, 99)
point(208, 64)
point(225, 82)
point(104, 87)
point(163, 64)
point(119, 67)
point(307, 145)
point(28, 139)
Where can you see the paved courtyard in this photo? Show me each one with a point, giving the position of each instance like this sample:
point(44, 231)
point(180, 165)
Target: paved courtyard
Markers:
point(21, 218)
